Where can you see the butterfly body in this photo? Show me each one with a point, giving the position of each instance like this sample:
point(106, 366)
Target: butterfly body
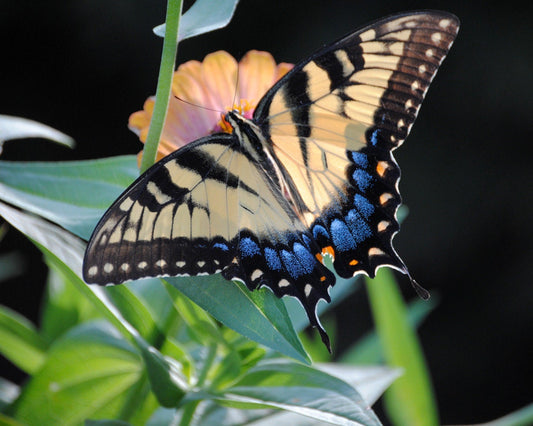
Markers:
point(312, 173)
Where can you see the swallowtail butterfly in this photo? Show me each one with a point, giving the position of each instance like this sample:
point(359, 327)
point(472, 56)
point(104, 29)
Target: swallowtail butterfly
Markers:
point(312, 173)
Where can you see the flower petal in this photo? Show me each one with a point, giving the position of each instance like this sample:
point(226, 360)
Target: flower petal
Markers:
point(204, 91)
point(220, 78)
point(257, 72)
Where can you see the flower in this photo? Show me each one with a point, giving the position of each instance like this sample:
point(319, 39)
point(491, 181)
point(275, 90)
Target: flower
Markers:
point(203, 91)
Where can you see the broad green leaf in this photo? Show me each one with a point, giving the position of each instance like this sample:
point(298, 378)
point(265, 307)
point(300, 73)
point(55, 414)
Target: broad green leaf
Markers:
point(164, 373)
point(258, 315)
point(57, 243)
point(89, 373)
point(300, 389)
point(20, 342)
point(135, 312)
point(369, 350)
point(22, 128)
point(73, 194)
point(202, 17)
point(153, 295)
point(370, 382)
point(63, 306)
point(410, 399)
point(201, 326)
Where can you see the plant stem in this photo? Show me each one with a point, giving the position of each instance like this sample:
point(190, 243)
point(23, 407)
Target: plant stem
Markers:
point(164, 83)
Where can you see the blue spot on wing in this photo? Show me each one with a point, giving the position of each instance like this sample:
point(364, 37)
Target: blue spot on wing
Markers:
point(307, 260)
point(341, 236)
point(221, 246)
point(272, 259)
point(364, 206)
point(248, 247)
point(363, 179)
point(358, 226)
point(292, 265)
point(374, 137)
point(359, 159)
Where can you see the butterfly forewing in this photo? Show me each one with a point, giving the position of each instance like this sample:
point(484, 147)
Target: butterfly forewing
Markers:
point(334, 120)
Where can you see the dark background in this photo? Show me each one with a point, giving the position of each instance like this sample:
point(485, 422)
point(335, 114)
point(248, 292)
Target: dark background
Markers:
point(83, 66)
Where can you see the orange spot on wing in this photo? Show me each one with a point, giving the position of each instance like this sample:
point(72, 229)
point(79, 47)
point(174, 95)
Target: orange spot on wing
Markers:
point(322, 278)
point(384, 198)
point(328, 250)
point(382, 168)
point(353, 262)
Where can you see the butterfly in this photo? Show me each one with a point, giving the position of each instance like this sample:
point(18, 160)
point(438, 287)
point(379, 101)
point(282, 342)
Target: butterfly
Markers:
point(311, 174)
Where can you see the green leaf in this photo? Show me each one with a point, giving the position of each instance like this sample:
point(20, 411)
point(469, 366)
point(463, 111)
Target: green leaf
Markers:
point(300, 389)
point(73, 194)
point(22, 128)
point(410, 399)
point(68, 250)
point(20, 342)
point(258, 315)
point(370, 382)
point(135, 311)
point(201, 327)
point(63, 307)
point(164, 374)
point(202, 17)
point(152, 293)
point(89, 373)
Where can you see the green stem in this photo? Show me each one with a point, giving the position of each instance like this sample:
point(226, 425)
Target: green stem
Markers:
point(164, 83)
point(410, 399)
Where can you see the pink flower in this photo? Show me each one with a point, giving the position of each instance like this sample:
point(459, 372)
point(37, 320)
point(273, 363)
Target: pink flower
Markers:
point(203, 91)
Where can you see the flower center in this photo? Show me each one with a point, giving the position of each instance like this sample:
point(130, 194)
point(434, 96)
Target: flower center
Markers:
point(243, 108)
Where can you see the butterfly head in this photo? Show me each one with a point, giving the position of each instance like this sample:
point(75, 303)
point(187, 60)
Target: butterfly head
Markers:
point(243, 109)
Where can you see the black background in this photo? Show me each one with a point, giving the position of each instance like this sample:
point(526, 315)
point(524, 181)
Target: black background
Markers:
point(83, 66)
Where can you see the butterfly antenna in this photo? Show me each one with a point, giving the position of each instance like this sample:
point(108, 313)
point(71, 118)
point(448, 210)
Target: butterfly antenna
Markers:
point(198, 106)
